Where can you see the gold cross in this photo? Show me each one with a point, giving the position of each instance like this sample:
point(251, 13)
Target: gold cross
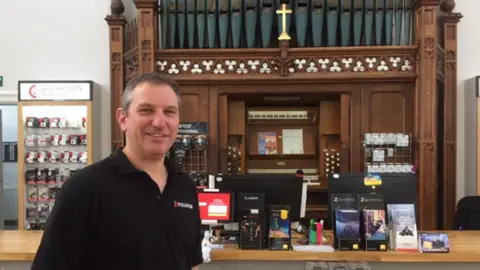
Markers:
point(284, 11)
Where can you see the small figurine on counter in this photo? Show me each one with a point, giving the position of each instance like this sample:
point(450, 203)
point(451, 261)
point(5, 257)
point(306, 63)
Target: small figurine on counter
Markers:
point(206, 247)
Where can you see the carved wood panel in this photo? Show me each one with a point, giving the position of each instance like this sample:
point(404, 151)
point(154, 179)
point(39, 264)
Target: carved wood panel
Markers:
point(116, 25)
point(426, 114)
point(213, 129)
point(449, 162)
point(194, 106)
point(268, 65)
point(345, 132)
point(319, 64)
point(147, 35)
point(387, 108)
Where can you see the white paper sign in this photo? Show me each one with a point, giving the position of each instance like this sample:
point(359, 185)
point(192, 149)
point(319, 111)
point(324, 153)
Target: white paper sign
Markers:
point(55, 91)
point(292, 140)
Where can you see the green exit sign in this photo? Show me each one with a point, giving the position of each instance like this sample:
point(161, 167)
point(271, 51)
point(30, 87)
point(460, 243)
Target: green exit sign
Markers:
point(1, 81)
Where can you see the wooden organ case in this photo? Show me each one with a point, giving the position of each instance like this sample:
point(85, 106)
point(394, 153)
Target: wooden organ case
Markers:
point(330, 71)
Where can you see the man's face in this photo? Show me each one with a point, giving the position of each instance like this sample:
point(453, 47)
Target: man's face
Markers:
point(152, 120)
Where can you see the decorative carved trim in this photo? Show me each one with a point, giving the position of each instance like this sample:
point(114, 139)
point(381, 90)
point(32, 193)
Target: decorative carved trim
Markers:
point(284, 66)
point(116, 61)
point(451, 65)
point(450, 55)
point(440, 61)
point(451, 60)
point(429, 47)
point(284, 63)
point(450, 146)
point(428, 145)
point(146, 50)
point(131, 64)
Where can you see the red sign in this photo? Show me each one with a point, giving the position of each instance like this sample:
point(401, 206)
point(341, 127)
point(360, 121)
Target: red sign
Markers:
point(214, 205)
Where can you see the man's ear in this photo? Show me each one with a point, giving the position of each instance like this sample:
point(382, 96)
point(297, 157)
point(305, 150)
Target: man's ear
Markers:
point(122, 119)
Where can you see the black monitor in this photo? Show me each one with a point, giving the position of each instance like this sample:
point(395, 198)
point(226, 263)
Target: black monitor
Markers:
point(279, 189)
point(397, 188)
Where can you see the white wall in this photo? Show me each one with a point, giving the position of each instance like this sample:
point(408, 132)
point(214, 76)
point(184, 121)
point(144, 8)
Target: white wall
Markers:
point(58, 40)
point(468, 55)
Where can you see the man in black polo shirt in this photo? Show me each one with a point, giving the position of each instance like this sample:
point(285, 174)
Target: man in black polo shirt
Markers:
point(130, 210)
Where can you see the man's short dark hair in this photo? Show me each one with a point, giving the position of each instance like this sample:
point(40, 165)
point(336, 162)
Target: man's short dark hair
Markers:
point(154, 78)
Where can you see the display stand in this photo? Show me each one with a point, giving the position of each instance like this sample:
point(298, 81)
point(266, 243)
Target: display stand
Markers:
point(190, 151)
point(55, 141)
point(388, 153)
point(369, 191)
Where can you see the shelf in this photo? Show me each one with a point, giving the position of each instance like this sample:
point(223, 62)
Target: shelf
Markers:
point(55, 142)
point(276, 157)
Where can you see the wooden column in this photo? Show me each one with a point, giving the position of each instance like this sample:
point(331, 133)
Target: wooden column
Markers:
point(426, 98)
point(147, 34)
point(345, 120)
point(116, 22)
point(450, 21)
point(223, 132)
point(213, 126)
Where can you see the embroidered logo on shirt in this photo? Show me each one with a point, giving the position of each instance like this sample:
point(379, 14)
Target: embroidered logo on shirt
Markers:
point(177, 204)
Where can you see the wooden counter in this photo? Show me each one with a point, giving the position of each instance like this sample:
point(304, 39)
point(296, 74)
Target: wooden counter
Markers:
point(19, 245)
point(22, 245)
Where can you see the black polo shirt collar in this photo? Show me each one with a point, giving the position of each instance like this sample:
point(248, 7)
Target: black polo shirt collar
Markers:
point(124, 166)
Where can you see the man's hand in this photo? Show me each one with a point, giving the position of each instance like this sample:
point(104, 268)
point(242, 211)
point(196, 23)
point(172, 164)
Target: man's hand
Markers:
point(196, 268)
